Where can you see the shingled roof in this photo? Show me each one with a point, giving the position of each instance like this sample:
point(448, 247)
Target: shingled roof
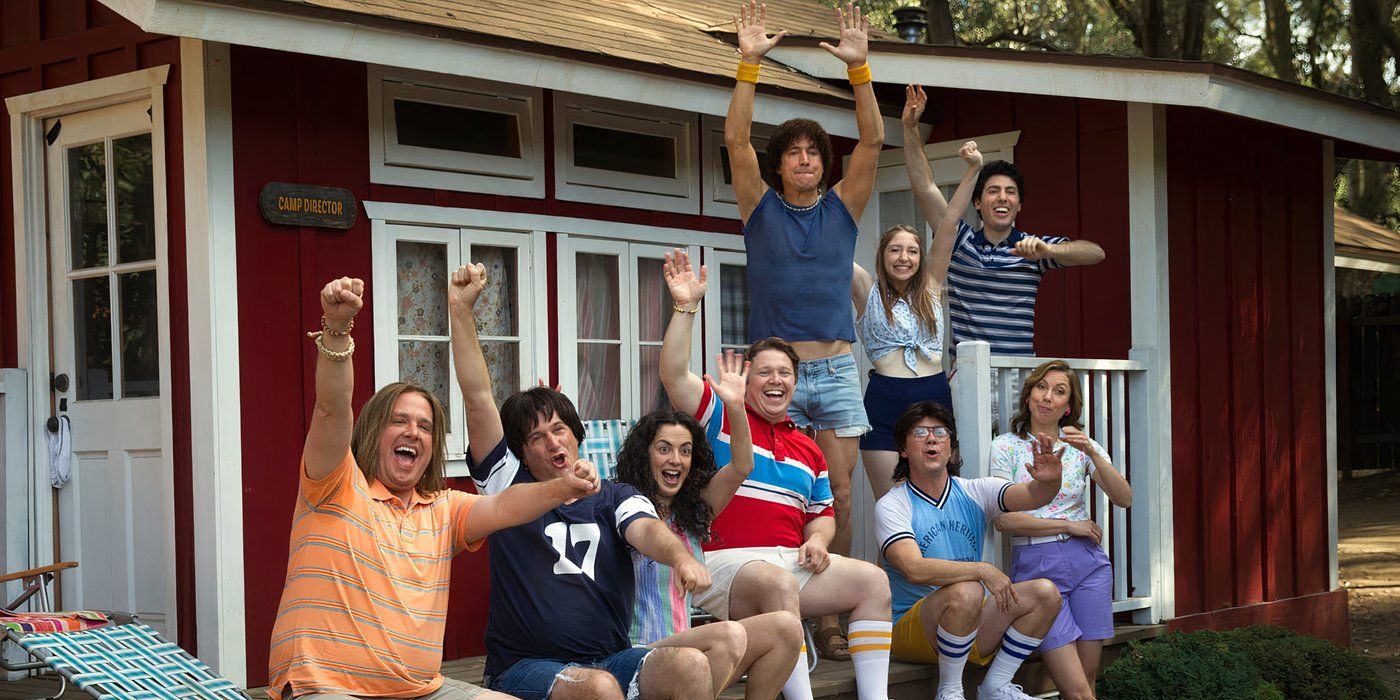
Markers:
point(677, 34)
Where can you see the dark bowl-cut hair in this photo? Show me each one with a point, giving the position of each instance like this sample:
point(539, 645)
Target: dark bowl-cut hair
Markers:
point(526, 409)
point(905, 425)
point(999, 167)
point(772, 343)
point(689, 508)
point(784, 136)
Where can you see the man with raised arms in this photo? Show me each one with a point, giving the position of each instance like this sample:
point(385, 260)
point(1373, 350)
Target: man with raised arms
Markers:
point(562, 589)
point(374, 533)
point(801, 242)
point(769, 546)
point(930, 528)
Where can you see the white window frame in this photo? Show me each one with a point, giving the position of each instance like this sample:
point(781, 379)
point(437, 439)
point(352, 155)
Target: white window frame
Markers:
point(722, 201)
point(530, 308)
point(627, 253)
point(393, 163)
point(715, 259)
point(580, 184)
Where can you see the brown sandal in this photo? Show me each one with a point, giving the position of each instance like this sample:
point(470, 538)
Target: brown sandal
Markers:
point(831, 644)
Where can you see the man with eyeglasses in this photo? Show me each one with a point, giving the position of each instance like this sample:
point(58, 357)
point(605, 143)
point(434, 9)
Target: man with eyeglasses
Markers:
point(948, 604)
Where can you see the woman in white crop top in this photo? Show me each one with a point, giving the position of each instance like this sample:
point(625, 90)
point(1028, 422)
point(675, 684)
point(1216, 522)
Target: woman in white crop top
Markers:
point(899, 312)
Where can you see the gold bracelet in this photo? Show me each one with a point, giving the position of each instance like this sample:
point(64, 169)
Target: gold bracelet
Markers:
point(859, 75)
point(326, 327)
point(679, 310)
point(748, 72)
point(332, 355)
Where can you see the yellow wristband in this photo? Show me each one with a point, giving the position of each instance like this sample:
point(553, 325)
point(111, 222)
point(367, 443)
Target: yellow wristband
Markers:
point(859, 75)
point(748, 72)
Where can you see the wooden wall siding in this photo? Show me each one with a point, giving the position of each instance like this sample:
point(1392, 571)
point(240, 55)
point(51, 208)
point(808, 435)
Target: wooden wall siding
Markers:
point(46, 44)
point(1074, 156)
point(1249, 465)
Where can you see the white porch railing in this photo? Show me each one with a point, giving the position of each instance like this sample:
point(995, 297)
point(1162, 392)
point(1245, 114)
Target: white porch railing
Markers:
point(14, 470)
point(1119, 416)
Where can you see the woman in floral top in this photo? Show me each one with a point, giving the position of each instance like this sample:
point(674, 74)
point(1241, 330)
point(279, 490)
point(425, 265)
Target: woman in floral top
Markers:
point(1059, 541)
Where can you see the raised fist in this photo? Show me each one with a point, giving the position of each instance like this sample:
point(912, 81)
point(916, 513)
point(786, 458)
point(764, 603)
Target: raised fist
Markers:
point(341, 299)
point(465, 287)
point(970, 154)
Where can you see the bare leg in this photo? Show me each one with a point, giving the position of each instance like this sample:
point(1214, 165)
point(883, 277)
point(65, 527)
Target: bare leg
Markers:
point(1063, 665)
point(1090, 652)
point(579, 683)
point(840, 453)
point(956, 607)
point(775, 640)
point(879, 465)
point(722, 643)
point(848, 585)
point(1032, 615)
point(675, 674)
point(761, 588)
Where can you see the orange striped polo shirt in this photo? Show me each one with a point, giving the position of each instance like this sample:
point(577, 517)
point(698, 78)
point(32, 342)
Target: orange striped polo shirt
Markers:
point(365, 602)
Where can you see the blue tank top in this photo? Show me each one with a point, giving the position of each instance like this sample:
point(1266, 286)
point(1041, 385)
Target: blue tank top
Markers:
point(799, 269)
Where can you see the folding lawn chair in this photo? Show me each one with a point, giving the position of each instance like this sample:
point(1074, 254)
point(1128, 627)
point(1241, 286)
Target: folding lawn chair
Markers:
point(104, 654)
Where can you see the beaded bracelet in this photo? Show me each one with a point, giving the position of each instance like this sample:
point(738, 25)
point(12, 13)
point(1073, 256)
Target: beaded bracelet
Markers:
point(326, 327)
point(332, 355)
point(679, 310)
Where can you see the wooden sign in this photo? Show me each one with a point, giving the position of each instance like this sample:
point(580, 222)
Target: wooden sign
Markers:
point(308, 205)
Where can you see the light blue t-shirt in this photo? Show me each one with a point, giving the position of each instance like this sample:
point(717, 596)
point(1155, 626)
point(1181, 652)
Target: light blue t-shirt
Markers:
point(949, 526)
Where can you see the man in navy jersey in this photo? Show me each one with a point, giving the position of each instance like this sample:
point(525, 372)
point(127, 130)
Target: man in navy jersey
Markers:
point(561, 586)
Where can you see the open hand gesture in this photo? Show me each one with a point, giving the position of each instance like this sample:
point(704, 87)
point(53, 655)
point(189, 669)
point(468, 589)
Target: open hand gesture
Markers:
point(1046, 465)
point(914, 103)
point(855, 41)
point(465, 287)
point(1032, 248)
point(341, 299)
point(686, 288)
point(970, 154)
point(733, 378)
point(754, 42)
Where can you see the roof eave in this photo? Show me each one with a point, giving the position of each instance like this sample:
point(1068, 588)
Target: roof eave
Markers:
point(1119, 80)
point(406, 45)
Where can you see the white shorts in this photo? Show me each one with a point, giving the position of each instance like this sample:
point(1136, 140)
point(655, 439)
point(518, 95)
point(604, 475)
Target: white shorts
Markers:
point(724, 566)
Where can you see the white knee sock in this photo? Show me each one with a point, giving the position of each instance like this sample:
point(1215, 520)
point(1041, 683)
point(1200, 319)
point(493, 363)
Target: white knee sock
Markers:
point(952, 657)
point(799, 684)
point(870, 652)
point(1015, 647)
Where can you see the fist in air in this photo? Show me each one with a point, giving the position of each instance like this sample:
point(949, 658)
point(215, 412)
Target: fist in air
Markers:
point(465, 286)
point(341, 299)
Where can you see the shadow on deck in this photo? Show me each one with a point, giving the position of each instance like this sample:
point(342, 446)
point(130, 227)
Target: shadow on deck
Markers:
point(831, 679)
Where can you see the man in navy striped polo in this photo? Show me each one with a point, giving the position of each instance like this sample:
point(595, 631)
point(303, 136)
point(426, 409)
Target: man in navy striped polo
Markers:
point(995, 270)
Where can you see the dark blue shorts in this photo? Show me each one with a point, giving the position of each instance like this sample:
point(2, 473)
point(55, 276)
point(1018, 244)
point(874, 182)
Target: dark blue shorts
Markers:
point(886, 398)
point(533, 679)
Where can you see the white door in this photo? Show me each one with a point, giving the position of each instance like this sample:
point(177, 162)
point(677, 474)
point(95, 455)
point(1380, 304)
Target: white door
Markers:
point(110, 341)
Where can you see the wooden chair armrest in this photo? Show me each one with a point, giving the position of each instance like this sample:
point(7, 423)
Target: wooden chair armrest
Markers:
point(30, 573)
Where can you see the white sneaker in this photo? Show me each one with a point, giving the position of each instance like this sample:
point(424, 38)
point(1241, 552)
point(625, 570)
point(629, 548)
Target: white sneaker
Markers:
point(950, 694)
point(1010, 691)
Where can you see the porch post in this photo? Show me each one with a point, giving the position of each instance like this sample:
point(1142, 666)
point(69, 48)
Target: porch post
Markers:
point(214, 393)
point(1329, 352)
point(972, 404)
point(1150, 432)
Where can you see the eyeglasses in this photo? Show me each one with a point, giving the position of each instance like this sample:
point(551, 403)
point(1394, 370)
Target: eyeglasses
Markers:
point(939, 432)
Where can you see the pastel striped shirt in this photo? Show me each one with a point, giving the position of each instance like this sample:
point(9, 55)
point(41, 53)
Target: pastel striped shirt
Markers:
point(661, 609)
point(993, 291)
point(365, 601)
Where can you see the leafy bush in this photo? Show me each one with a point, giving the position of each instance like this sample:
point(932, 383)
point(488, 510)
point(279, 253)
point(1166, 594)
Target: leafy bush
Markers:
point(1251, 663)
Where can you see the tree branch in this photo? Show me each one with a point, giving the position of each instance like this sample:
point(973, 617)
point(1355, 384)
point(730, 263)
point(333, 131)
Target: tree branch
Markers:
point(1019, 38)
point(1234, 26)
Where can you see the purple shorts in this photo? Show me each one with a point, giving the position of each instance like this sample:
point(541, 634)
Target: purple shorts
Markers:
point(1082, 572)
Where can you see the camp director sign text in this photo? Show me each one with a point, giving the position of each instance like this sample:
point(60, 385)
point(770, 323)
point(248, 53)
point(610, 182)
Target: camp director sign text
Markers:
point(308, 205)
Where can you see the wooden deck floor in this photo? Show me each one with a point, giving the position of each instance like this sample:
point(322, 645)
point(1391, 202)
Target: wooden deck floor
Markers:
point(830, 680)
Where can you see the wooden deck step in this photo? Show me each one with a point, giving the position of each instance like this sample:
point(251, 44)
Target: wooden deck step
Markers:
point(831, 679)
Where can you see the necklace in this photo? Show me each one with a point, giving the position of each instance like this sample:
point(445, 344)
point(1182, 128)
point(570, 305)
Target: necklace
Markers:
point(799, 210)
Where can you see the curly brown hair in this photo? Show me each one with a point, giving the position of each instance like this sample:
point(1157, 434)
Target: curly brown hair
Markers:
point(1021, 421)
point(784, 136)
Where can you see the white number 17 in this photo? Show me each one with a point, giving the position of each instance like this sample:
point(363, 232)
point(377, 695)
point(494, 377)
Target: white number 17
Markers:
point(583, 534)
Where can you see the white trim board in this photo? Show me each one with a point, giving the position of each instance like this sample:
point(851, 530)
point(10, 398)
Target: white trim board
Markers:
point(215, 397)
point(1152, 86)
point(372, 45)
point(1356, 263)
point(424, 214)
point(27, 154)
point(1329, 353)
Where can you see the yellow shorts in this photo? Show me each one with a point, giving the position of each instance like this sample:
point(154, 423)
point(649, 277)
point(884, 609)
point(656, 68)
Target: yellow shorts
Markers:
point(910, 644)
